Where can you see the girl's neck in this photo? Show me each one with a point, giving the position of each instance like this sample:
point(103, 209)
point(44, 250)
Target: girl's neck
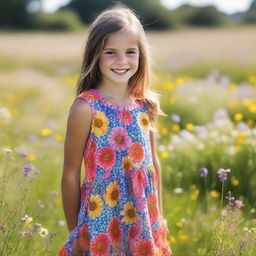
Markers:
point(118, 93)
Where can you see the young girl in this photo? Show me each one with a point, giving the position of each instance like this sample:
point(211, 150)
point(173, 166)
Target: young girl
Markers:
point(111, 124)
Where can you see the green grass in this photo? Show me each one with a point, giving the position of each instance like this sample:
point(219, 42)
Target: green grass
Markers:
point(237, 72)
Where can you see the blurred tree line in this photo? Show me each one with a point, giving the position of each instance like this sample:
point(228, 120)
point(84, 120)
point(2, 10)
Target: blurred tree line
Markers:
point(28, 14)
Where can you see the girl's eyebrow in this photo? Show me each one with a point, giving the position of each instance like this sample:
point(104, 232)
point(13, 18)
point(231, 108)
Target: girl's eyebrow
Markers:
point(126, 49)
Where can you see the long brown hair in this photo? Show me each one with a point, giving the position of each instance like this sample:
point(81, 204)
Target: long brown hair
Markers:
point(107, 22)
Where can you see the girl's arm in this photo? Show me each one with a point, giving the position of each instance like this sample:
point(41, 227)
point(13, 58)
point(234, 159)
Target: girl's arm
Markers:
point(157, 167)
point(78, 127)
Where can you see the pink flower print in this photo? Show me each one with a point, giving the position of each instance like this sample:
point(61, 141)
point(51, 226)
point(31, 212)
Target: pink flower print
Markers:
point(106, 158)
point(153, 208)
point(134, 231)
point(125, 117)
point(136, 152)
point(138, 182)
point(140, 204)
point(118, 139)
point(90, 167)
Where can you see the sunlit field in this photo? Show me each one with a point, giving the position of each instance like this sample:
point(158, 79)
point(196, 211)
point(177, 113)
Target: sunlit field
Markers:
point(206, 141)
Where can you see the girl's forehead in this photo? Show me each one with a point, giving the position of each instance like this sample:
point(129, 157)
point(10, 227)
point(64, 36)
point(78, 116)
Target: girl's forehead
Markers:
point(122, 39)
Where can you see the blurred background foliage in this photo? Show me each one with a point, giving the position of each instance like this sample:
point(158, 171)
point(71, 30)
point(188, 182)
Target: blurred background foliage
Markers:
point(20, 14)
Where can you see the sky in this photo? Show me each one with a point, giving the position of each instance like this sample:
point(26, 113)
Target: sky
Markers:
point(227, 6)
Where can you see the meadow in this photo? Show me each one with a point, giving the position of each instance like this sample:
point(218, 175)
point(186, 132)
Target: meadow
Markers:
point(206, 141)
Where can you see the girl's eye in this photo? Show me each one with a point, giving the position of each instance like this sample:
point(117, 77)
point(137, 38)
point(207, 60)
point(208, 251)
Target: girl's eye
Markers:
point(131, 52)
point(109, 52)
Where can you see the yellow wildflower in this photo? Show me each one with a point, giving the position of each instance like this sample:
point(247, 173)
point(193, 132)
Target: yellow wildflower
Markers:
point(172, 239)
point(234, 181)
point(214, 193)
point(190, 127)
point(45, 132)
point(195, 194)
point(164, 131)
point(58, 137)
point(238, 117)
point(175, 127)
point(164, 155)
point(31, 157)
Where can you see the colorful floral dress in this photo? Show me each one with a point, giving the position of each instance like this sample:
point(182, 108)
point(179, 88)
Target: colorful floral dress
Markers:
point(119, 213)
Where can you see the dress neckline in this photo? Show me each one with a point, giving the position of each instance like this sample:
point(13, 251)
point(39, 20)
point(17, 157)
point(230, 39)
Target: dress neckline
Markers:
point(108, 103)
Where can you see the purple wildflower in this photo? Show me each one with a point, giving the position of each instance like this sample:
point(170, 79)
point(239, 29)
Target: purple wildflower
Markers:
point(232, 203)
point(27, 169)
point(175, 118)
point(37, 172)
point(223, 174)
point(230, 199)
point(24, 154)
point(203, 172)
point(238, 204)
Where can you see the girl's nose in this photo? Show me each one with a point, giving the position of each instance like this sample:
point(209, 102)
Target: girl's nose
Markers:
point(122, 58)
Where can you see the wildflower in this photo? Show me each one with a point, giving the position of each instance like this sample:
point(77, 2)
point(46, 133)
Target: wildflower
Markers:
point(230, 199)
point(223, 174)
point(37, 172)
point(214, 193)
point(31, 138)
point(238, 117)
point(178, 190)
point(175, 118)
point(61, 222)
point(45, 132)
point(26, 219)
point(234, 181)
point(232, 203)
point(31, 157)
point(164, 131)
point(203, 172)
point(23, 154)
point(27, 169)
point(54, 193)
point(43, 232)
point(252, 210)
point(2, 228)
point(7, 150)
point(175, 127)
point(179, 224)
point(190, 126)
point(183, 237)
point(238, 204)
point(25, 233)
point(172, 239)
point(58, 137)
point(164, 154)
point(37, 226)
point(5, 115)
point(195, 194)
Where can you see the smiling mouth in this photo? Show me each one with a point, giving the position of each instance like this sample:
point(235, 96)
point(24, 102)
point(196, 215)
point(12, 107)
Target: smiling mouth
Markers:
point(120, 71)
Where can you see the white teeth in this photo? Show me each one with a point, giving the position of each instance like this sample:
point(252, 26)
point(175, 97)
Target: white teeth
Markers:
point(120, 70)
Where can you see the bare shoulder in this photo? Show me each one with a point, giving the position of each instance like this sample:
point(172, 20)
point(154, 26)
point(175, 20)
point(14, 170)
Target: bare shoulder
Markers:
point(78, 128)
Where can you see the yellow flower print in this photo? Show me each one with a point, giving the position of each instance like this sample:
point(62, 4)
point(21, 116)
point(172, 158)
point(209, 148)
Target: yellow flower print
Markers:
point(129, 213)
point(100, 123)
point(127, 163)
point(95, 206)
point(112, 195)
point(144, 121)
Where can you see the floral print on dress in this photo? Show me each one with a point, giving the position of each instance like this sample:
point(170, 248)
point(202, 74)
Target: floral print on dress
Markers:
point(119, 213)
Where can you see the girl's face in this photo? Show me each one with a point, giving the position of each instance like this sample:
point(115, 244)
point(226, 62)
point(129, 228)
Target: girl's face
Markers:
point(119, 58)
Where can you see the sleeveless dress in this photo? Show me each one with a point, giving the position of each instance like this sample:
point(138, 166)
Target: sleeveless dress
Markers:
point(119, 213)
